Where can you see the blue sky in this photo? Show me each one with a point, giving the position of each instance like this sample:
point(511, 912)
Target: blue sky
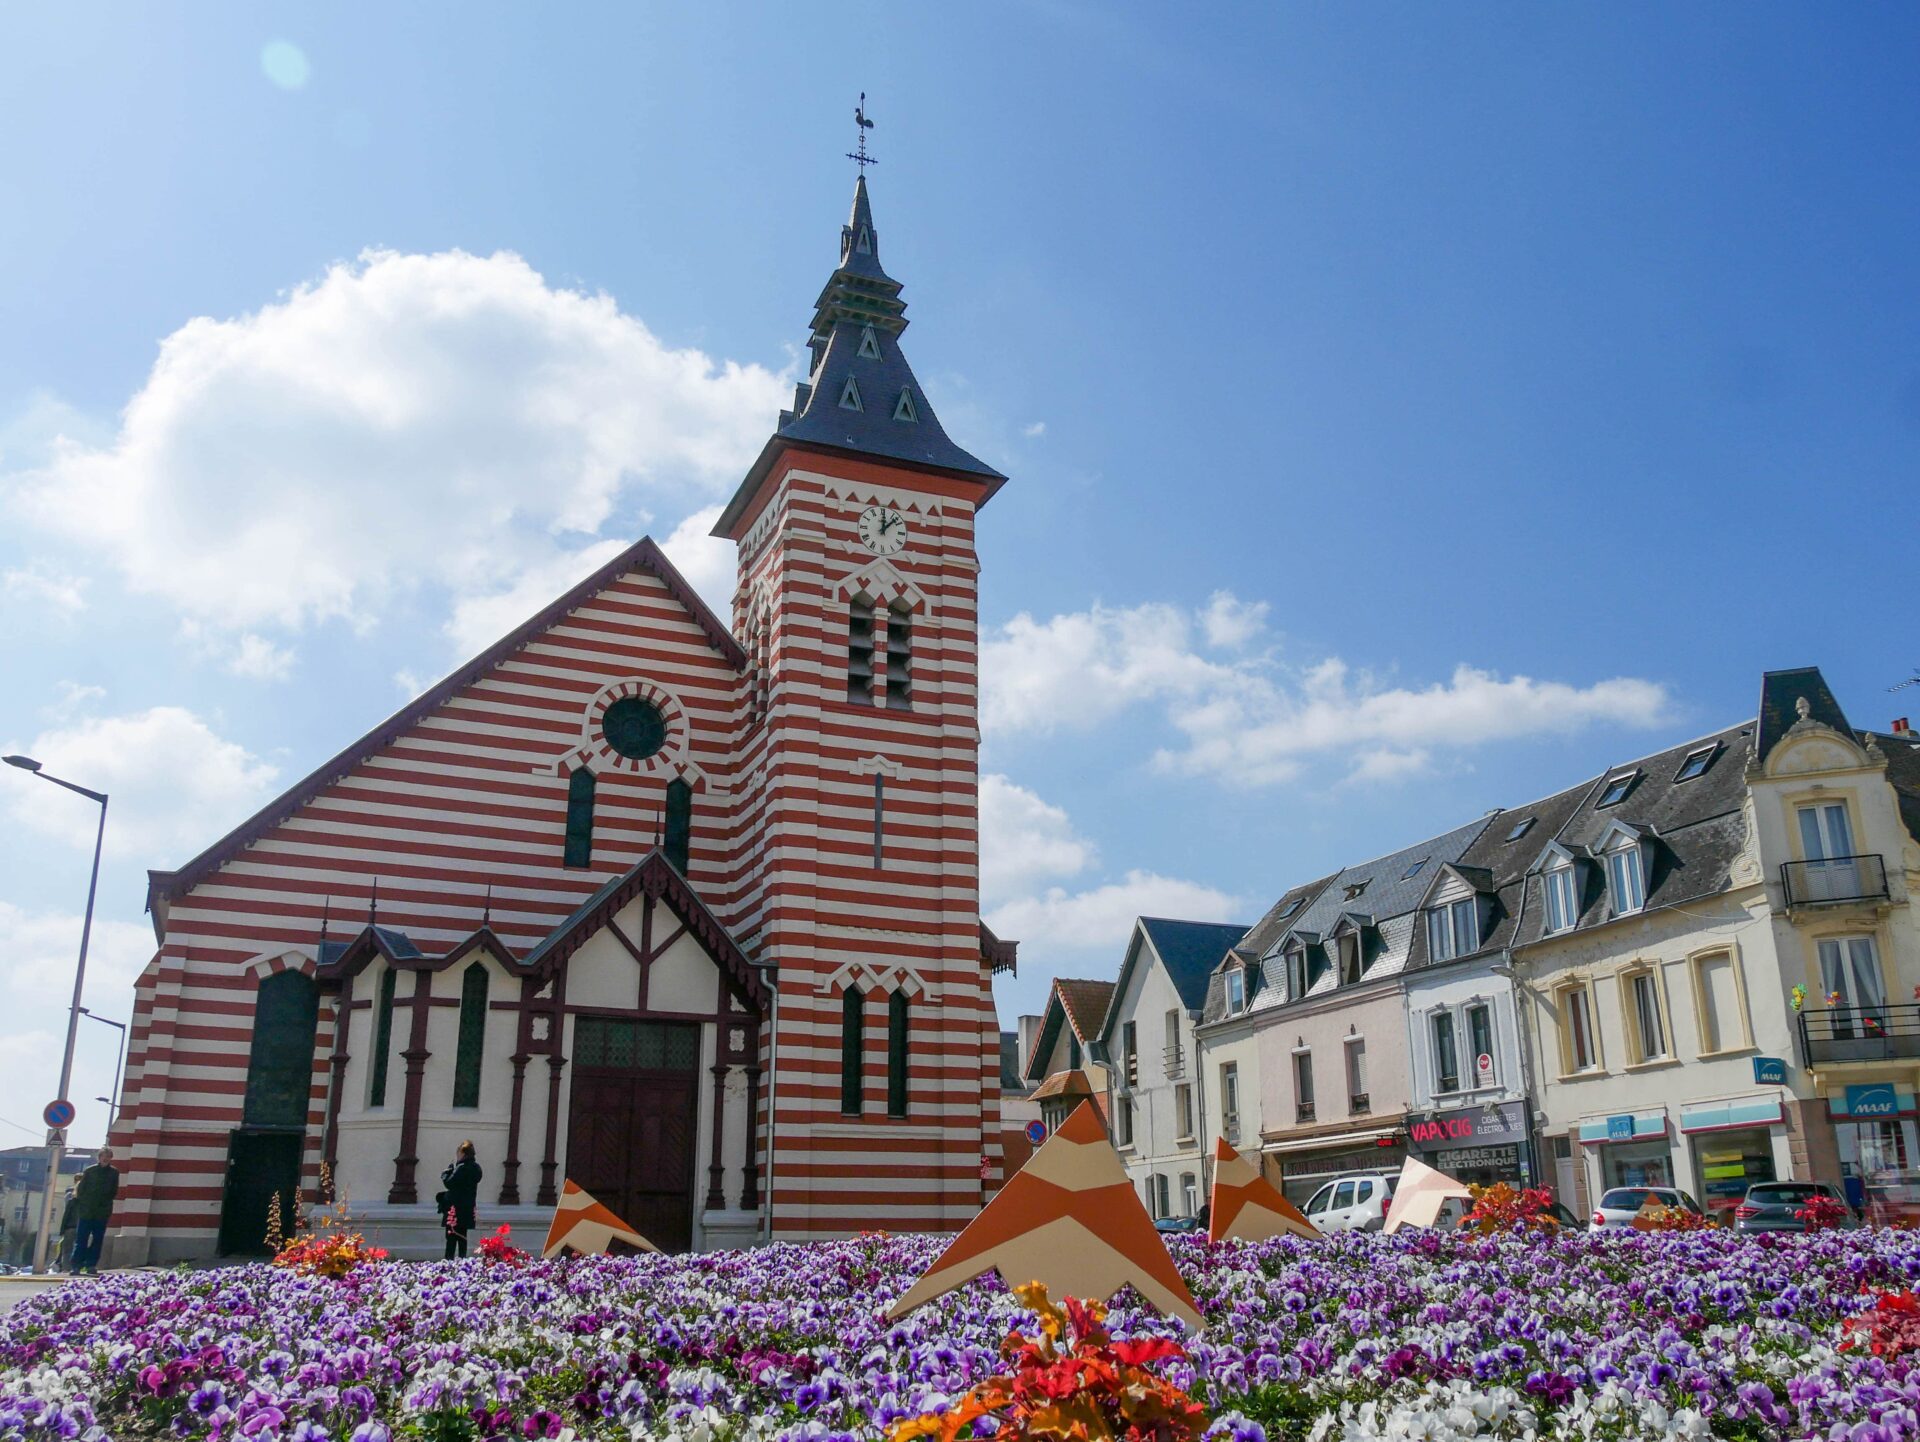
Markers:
point(1409, 409)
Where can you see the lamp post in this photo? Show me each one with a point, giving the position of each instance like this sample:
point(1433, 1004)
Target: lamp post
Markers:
point(119, 1061)
point(59, 1146)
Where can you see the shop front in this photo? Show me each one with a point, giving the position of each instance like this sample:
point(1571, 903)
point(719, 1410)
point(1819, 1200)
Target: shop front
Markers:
point(1631, 1149)
point(1478, 1145)
point(1307, 1164)
point(1733, 1144)
point(1874, 1129)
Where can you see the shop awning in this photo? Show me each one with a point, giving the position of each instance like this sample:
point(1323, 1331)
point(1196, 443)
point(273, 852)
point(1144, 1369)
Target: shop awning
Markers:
point(1623, 1127)
point(1724, 1116)
point(1328, 1144)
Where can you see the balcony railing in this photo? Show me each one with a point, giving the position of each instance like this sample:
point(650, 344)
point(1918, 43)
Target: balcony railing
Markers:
point(1175, 1060)
point(1358, 1104)
point(1835, 879)
point(1303, 1111)
point(1861, 1033)
point(1230, 1125)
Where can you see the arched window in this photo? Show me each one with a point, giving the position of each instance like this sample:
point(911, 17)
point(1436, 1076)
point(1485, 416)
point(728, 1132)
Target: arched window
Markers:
point(382, 1038)
point(897, 1054)
point(853, 1043)
point(678, 838)
point(473, 1036)
point(580, 787)
point(280, 1066)
point(860, 650)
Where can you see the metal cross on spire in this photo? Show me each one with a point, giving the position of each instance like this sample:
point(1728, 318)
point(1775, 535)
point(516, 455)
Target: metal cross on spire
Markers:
point(859, 156)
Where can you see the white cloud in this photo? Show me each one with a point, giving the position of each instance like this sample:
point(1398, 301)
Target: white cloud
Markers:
point(1104, 916)
point(38, 951)
point(71, 697)
point(481, 619)
point(1035, 431)
point(1246, 720)
point(1024, 841)
point(708, 562)
point(174, 784)
point(411, 683)
point(248, 654)
point(37, 583)
point(405, 421)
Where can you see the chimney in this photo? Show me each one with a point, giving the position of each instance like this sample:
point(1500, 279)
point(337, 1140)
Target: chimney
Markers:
point(1900, 726)
point(1029, 1037)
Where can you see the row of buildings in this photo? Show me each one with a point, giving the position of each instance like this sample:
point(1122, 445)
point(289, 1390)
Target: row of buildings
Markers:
point(1696, 968)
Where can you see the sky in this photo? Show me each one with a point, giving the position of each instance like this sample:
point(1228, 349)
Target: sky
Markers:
point(1410, 410)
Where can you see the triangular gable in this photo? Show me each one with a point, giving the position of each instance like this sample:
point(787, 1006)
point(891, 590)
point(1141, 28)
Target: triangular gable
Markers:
point(657, 877)
point(643, 555)
point(1554, 853)
point(1618, 830)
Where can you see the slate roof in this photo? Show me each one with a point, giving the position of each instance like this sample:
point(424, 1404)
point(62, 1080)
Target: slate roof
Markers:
point(1780, 695)
point(1903, 772)
point(1190, 950)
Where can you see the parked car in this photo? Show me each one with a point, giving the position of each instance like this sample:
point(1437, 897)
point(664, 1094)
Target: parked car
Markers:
point(1770, 1206)
point(1173, 1226)
point(1359, 1203)
point(1620, 1205)
point(1569, 1220)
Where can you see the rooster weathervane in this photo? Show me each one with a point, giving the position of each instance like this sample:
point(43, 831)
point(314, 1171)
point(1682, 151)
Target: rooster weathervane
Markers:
point(859, 156)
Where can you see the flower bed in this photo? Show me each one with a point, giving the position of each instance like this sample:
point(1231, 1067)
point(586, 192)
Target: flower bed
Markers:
point(1418, 1335)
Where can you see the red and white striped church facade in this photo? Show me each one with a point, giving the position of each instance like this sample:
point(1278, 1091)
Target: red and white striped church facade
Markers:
point(686, 911)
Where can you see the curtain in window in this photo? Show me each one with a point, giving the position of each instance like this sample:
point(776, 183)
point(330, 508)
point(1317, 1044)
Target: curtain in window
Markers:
point(1562, 910)
point(1850, 967)
point(1446, 1057)
point(473, 1036)
point(1646, 1007)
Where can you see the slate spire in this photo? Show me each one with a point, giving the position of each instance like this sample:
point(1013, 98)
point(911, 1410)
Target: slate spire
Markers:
point(860, 394)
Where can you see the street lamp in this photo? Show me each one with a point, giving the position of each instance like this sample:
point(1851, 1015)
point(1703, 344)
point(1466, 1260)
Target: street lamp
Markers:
point(59, 1145)
point(119, 1059)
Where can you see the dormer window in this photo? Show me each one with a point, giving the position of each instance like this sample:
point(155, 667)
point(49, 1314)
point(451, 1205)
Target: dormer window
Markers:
point(1616, 789)
point(1696, 763)
point(904, 410)
point(1354, 889)
point(1350, 966)
point(1296, 973)
point(1563, 897)
point(1453, 930)
point(1236, 991)
point(850, 396)
point(1626, 878)
point(869, 344)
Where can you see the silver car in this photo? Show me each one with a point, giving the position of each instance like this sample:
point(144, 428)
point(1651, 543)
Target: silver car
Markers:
point(1620, 1205)
point(1772, 1207)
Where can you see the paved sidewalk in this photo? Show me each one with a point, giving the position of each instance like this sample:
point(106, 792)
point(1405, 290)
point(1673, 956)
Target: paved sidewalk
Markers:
point(14, 1290)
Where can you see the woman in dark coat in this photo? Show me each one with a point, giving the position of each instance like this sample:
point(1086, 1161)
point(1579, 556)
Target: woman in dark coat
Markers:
point(461, 1182)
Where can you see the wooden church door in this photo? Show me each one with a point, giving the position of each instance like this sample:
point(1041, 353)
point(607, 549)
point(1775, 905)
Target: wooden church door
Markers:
point(632, 1120)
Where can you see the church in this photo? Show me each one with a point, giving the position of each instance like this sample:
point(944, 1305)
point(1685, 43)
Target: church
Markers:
point(683, 908)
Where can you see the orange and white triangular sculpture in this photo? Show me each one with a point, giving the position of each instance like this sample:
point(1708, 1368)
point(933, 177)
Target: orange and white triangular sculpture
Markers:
point(1246, 1206)
point(1420, 1194)
point(1068, 1219)
point(582, 1224)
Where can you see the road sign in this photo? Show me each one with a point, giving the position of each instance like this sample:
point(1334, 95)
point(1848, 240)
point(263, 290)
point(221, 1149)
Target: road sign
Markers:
point(56, 1136)
point(1036, 1132)
point(58, 1113)
point(1485, 1062)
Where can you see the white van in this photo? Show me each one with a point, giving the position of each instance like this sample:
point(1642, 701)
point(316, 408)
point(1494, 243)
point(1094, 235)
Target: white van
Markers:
point(1358, 1203)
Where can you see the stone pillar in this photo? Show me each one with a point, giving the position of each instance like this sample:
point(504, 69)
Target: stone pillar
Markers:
point(716, 1167)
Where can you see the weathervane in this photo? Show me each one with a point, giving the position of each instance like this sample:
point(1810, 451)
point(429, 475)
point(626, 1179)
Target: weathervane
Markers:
point(860, 157)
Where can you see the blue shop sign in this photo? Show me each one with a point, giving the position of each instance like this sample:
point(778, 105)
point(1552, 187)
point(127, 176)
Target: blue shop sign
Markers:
point(1768, 1069)
point(1875, 1099)
point(1620, 1128)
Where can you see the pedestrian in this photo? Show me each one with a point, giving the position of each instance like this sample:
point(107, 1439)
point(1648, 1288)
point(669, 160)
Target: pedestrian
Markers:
point(461, 1181)
point(93, 1198)
point(69, 1221)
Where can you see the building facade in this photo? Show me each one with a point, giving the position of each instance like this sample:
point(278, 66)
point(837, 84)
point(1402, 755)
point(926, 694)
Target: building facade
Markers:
point(684, 910)
point(1063, 1065)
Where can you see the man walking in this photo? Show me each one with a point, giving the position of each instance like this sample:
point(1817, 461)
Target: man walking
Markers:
point(93, 1198)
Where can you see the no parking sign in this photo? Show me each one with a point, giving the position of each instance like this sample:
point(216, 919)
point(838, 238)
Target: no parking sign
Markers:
point(1036, 1132)
point(58, 1114)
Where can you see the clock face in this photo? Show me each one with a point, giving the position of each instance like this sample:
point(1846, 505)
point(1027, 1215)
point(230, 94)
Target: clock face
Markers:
point(883, 530)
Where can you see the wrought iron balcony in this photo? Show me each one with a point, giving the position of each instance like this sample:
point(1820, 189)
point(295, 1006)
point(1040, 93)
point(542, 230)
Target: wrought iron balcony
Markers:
point(1175, 1060)
point(1835, 879)
point(1359, 1104)
point(1861, 1033)
point(1303, 1111)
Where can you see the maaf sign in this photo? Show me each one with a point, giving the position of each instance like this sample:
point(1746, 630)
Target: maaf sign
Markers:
point(1469, 1126)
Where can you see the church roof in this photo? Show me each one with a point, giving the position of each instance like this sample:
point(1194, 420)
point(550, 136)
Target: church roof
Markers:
point(642, 555)
point(860, 395)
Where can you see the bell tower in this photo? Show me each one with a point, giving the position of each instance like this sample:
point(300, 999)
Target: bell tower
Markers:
point(858, 781)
